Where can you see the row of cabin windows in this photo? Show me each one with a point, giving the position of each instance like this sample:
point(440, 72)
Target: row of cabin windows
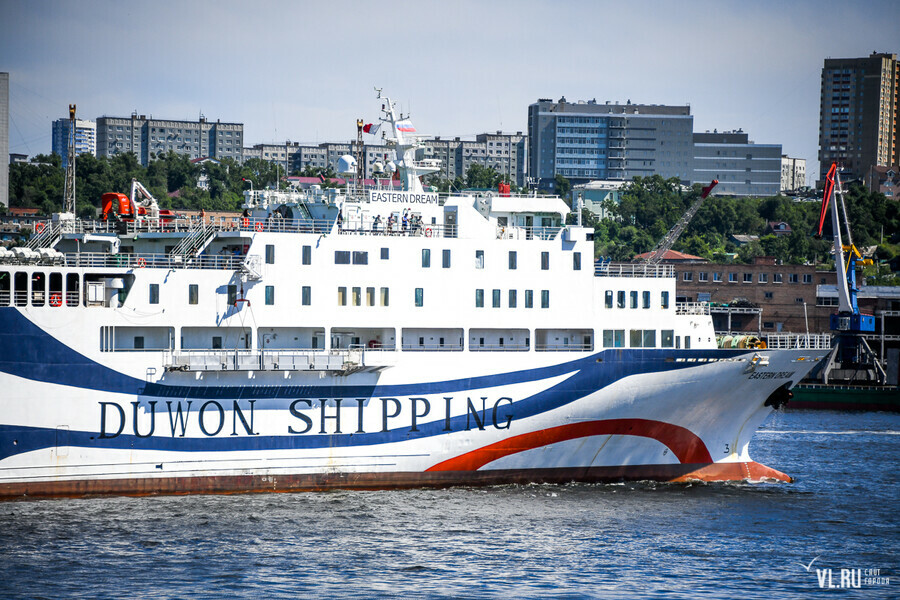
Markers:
point(703, 277)
point(356, 296)
point(347, 257)
point(18, 289)
point(643, 338)
point(512, 298)
point(634, 299)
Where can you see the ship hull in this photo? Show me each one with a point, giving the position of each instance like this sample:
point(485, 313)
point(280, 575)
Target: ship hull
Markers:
point(73, 427)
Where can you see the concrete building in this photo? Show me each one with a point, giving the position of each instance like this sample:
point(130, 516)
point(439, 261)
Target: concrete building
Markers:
point(742, 167)
point(85, 138)
point(585, 141)
point(4, 139)
point(858, 114)
point(595, 194)
point(793, 173)
point(149, 138)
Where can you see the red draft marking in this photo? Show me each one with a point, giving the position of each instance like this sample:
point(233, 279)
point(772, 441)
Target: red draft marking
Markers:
point(686, 445)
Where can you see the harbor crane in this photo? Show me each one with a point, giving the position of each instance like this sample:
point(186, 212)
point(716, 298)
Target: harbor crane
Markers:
point(665, 244)
point(850, 325)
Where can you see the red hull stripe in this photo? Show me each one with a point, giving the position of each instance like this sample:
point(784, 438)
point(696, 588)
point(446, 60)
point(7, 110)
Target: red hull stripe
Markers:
point(687, 446)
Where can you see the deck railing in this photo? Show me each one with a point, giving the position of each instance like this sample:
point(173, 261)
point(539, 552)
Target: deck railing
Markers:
point(611, 269)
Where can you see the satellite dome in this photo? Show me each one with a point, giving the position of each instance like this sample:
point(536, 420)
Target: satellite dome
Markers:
point(390, 167)
point(346, 165)
point(377, 167)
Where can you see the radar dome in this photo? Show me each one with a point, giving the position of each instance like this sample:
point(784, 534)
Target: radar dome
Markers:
point(377, 167)
point(390, 167)
point(346, 165)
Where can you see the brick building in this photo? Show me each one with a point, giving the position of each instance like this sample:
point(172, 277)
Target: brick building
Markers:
point(763, 297)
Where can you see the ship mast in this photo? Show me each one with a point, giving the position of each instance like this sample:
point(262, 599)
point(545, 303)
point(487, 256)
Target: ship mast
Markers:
point(69, 195)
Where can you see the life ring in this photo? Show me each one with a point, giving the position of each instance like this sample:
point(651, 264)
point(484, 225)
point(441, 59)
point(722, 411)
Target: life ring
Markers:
point(258, 226)
point(141, 262)
point(428, 232)
point(245, 222)
point(39, 228)
point(55, 299)
point(372, 343)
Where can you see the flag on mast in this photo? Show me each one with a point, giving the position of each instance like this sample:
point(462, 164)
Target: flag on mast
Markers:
point(372, 129)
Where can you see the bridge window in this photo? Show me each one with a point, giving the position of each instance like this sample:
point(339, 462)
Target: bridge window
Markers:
point(545, 298)
point(664, 299)
point(576, 261)
point(609, 299)
point(305, 295)
point(270, 295)
point(495, 298)
point(342, 257)
point(512, 298)
point(420, 297)
point(529, 299)
point(445, 259)
point(545, 261)
point(479, 298)
point(426, 258)
point(193, 293)
point(306, 255)
point(270, 254)
point(513, 260)
point(360, 258)
point(154, 293)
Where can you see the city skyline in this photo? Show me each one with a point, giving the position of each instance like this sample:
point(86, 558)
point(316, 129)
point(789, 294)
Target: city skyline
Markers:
point(306, 73)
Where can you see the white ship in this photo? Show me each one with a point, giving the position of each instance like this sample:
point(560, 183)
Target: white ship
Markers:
point(313, 345)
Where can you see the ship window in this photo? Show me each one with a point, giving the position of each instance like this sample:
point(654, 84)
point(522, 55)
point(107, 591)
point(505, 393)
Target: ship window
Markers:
point(479, 298)
point(495, 298)
point(609, 299)
point(357, 296)
point(342, 257)
point(21, 291)
point(667, 338)
point(426, 258)
point(445, 259)
point(529, 299)
point(635, 337)
point(576, 261)
point(193, 293)
point(305, 295)
point(687, 342)
point(646, 299)
point(512, 298)
point(633, 296)
point(664, 299)
point(385, 296)
point(360, 258)
point(545, 261)
point(420, 297)
point(370, 296)
point(620, 299)
point(342, 296)
point(73, 294)
point(479, 259)
point(649, 338)
point(512, 260)
point(38, 289)
point(4, 288)
point(306, 255)
point(613, 338)
point(270, 254)
point(545, 298)
point(270, 295)
point(385, 253)
point(217, 342)
point(154, 293)
point(138, 342)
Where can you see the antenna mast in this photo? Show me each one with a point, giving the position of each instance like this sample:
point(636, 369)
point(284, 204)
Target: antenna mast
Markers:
point(69, 196)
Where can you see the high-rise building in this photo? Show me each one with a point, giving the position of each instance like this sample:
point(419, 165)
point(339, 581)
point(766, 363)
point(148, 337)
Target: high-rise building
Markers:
point(85, 138)
point(858, 115)
point(742, 167)
point(4, 139)
point(585, 141)
point(793, 173)
point(151, 137)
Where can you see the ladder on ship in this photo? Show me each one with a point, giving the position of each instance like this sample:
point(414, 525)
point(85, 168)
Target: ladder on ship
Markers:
point(47, 238)
point(194, 242)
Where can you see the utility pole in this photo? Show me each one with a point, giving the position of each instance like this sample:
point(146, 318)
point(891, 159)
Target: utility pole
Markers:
point(360, 166)
point(69, 197)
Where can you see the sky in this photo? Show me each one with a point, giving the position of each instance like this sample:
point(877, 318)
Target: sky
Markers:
point(304, 71)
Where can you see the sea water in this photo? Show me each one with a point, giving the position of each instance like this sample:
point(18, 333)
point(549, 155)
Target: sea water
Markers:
point(835, 528)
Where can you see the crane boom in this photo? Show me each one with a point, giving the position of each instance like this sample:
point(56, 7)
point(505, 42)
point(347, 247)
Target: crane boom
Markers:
point(669, 240)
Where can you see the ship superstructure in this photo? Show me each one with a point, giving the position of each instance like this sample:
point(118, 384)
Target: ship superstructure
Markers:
point(351, 337)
